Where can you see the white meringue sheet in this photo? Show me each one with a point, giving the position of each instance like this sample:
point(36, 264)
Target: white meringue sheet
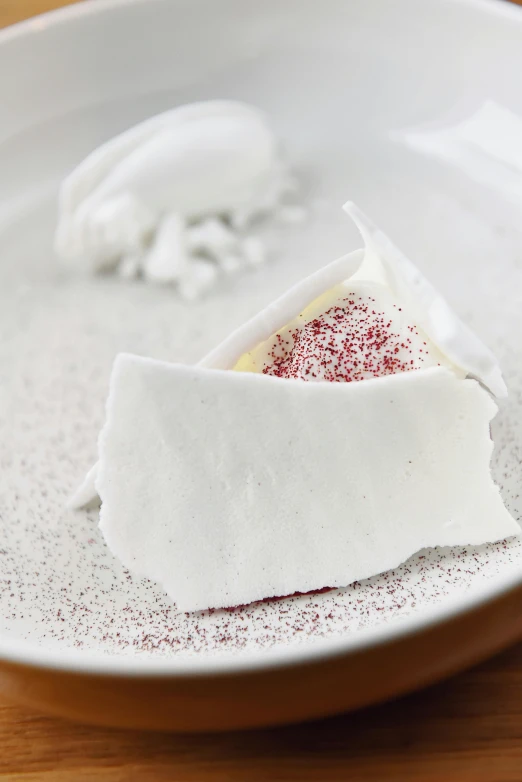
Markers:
point(384, 262)
point(486, 146)
point(86, 493)
point(497, 131)
point(381, 262)
point(229, 487)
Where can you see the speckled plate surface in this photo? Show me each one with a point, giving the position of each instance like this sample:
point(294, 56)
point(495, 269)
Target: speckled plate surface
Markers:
point(336, 77)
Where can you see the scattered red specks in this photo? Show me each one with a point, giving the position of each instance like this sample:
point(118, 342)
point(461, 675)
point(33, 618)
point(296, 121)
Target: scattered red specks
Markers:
point(351, 341)
point(276, 598)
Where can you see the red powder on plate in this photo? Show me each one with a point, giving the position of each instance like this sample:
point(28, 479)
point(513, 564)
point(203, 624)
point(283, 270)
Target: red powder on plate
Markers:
point(275, 598)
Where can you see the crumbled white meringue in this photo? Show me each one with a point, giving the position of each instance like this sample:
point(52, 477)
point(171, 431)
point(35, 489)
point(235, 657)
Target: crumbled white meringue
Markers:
point(176, 194)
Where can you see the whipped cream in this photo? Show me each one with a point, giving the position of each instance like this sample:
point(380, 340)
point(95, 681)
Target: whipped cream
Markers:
point(173, 198)
point(355, 331)
point(232, 486)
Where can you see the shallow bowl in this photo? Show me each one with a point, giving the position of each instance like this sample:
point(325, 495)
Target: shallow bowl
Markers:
point(79, 636)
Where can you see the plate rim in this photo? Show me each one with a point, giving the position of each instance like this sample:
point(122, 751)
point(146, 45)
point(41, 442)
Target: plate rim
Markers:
point(40, 23)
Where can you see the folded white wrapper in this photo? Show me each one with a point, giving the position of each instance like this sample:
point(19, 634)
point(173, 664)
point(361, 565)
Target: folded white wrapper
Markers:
point(228, 487)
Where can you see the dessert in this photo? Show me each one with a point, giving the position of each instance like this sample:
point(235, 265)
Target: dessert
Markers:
point(172, 199)
point(233, 486)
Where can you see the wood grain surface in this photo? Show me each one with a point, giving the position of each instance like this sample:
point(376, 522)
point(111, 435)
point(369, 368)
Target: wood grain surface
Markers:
point(468, 729)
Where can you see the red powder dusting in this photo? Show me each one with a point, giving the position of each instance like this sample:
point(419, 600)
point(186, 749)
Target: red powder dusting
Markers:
point(275, 598)
point(350, 341)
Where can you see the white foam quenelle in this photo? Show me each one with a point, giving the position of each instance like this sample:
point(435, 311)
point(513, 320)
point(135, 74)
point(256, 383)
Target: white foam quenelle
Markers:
point(145, 200)
point(250, 475)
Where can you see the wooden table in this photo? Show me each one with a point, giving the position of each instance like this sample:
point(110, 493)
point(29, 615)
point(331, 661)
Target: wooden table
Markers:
point(468, 729)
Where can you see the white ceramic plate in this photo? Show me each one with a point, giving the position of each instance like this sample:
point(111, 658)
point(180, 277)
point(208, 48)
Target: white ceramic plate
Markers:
point(336, 78)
